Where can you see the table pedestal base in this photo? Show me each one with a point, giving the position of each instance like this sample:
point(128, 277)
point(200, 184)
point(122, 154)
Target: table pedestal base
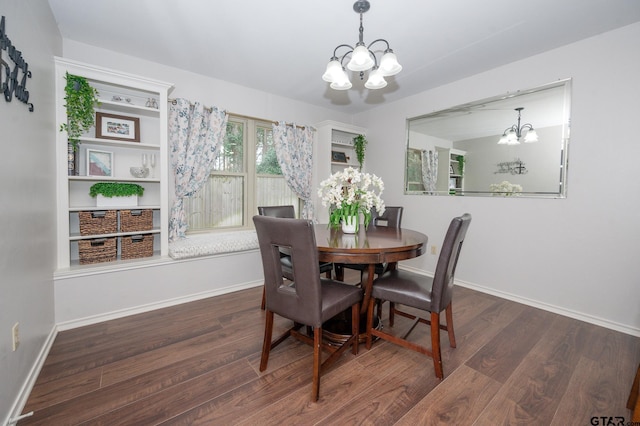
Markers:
point(337, 330)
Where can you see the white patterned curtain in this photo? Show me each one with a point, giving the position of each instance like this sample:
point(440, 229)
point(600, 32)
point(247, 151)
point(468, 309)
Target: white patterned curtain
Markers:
point(429, 170)
point(294, 149)
point(196, 134)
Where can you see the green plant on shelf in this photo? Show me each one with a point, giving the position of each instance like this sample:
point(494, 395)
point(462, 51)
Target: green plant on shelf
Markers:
point(81, 100)
point(360, 146)
point(115, 189)
point(460, 159)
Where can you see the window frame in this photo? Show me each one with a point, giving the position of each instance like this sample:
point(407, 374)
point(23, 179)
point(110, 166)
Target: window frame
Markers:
point(249, 174)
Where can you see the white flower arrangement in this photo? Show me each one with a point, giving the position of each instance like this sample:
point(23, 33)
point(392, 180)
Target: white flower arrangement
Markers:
point(505, 189)
point(349, 192)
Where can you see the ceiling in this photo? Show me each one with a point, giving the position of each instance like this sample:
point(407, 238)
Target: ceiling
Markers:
point(282, 47)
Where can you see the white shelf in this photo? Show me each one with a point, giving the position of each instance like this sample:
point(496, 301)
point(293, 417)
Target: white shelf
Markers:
point(76, 236)
point(95, 208)
point(107, 142)
point(112, 179)
point(123, 106)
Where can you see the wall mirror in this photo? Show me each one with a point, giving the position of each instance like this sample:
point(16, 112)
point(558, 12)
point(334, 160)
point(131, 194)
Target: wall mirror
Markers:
point(457, 151)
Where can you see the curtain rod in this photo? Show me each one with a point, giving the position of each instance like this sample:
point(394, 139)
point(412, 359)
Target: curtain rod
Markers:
point(248, 117)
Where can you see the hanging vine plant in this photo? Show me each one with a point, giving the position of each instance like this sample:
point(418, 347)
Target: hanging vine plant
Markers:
point(81, 100)
point(460, 159)
point(360, 146)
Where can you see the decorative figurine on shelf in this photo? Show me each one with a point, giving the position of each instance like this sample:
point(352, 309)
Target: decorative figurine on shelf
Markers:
point(152, 103)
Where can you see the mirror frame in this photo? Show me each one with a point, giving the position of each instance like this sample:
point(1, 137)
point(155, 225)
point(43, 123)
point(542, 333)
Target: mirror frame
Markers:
point(464, 110)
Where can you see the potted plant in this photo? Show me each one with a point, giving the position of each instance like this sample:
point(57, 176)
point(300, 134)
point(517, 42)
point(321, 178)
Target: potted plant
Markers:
point(81, 100)
point(348, 194)
point(360, 146)
point(116, 193)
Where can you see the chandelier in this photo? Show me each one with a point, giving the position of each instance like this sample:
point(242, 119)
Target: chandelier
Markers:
point(361, 59)
point(512, 135)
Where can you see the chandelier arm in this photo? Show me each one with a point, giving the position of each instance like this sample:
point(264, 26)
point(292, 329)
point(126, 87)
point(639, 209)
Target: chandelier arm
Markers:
point(512, 129)
point(338, 47)
point(375, 41)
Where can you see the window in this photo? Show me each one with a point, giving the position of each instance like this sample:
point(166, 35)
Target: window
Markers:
point(246, 175)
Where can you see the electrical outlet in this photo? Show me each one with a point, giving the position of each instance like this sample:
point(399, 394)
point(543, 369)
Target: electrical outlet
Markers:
point(15, 333)
point(434, 250)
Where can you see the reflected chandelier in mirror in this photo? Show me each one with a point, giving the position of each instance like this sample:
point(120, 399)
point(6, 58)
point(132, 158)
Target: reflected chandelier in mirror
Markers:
point(465, 150)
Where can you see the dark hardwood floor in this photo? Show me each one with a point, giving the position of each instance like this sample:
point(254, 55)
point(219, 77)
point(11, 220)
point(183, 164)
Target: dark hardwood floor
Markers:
point(197, 363)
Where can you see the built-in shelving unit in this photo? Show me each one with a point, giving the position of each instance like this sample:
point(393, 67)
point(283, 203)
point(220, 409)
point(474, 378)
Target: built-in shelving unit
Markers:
point(129, 96)
point(335, 142)
point(334, 152)
point(450, 171)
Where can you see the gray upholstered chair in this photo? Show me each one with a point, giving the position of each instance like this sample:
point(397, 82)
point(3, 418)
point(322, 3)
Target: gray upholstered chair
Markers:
point(309, 300)
point(288, 212)
point(418, 291)
point(392, 218)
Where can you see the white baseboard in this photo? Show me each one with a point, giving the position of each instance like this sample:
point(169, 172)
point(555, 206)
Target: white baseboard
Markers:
point(541, 305)
point(30, 380)
point(94, 319)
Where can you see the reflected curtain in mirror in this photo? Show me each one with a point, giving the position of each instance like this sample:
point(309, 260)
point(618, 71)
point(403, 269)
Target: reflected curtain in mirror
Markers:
point(429, 169)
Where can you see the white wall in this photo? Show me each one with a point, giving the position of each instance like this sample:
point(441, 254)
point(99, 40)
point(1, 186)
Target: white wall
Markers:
point(27, 199)
point(577, 255)
point(85, 299)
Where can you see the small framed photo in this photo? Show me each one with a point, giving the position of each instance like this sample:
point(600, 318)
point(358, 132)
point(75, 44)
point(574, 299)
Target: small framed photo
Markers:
point(338, 157)
point(99, 163)
point(451, 171)
point(117, 127)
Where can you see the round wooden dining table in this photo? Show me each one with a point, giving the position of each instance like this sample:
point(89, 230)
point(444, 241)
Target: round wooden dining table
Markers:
point(375, 244)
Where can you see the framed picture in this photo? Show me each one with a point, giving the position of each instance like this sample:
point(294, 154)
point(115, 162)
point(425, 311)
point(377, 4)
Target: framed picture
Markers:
point(451, 171)
point(117, 127)
point(99, 163)
point(338, 157)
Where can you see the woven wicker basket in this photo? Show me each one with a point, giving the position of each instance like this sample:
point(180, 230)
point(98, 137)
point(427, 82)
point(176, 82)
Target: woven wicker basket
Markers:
point(136, 220)
point(97, 250)
point(136, 246)
point(98, 222)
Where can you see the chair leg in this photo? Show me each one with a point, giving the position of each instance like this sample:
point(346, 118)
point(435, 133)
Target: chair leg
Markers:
point(633, 403)
point(266, 343)
point(355, 327)
point(264, 298)
point(339, 272)
point(369, 322)
point(449, 317)
point(317, 354)
point(392, 312)
point(435, 344)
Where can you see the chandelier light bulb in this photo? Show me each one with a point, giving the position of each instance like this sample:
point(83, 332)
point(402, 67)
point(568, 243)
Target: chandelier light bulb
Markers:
point(342, 81)
point(333, 71)
point(376, 80)
point(389, 64)
point(512, 138)
point(531, 136)
point(360, 59)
